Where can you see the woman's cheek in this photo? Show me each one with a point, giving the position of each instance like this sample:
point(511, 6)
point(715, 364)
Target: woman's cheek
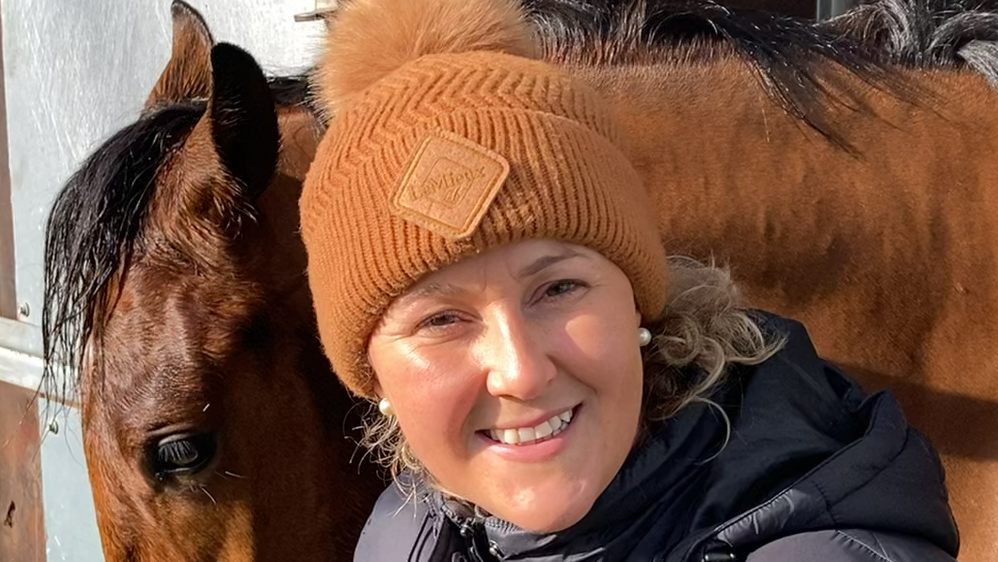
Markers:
point(436, 405)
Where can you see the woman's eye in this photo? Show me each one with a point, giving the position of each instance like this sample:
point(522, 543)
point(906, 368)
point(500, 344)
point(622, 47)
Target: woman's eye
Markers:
point(439, 320)
point(562, 288)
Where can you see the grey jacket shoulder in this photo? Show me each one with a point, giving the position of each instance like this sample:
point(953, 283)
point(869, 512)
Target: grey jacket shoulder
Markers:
point(850, 545)
point(398, 529)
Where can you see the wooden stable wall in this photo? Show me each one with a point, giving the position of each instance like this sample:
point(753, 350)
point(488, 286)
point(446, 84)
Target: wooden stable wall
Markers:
point(22, 525)
point(8, 306)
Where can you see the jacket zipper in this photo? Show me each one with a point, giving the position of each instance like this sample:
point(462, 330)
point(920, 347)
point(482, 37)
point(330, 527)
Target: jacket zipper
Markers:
point(479, 548)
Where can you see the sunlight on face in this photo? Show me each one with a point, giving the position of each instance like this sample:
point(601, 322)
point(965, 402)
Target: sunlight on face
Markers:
point(516, 377)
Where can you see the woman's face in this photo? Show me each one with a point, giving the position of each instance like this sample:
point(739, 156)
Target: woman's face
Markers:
point(516, 377)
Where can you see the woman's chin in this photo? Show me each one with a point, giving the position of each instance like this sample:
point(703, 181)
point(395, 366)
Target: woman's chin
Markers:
point(550, 514)
point(543, 523)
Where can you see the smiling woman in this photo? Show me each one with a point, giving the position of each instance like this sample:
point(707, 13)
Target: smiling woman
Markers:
point(523, 314)
point(550, 385)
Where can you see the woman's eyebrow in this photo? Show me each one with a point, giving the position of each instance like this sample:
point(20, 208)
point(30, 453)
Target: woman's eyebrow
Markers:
point(430, 290)
point(448, 289)
point(542, 262)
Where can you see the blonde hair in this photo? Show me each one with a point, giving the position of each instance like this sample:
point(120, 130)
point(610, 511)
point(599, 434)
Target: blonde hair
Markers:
point(704, 330)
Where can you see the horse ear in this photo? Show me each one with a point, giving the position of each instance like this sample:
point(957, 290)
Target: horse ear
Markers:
point(188, 73)
point(243, 119)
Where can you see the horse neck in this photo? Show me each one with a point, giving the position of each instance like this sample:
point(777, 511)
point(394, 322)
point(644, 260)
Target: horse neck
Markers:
point(728, 168)
point(896, 238)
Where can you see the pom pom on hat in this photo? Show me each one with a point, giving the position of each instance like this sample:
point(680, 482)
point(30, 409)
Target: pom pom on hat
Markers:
point(369, 39)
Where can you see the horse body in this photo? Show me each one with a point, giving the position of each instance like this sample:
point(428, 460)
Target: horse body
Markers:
point(871, 220)
point(213, 425)
point(898, 241)
point(887, 251)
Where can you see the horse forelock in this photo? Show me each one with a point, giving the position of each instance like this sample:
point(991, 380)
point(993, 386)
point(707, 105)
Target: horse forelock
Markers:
point(97, 224)
point(91, 234)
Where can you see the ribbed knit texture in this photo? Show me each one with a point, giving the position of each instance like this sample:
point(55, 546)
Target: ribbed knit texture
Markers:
point(568, 180)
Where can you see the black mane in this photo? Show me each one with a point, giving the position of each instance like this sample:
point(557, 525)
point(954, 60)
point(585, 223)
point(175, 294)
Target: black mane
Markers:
point(927, 33)
point(791, 56)
point(290, 90)
point(96, 221)
point(93, 226)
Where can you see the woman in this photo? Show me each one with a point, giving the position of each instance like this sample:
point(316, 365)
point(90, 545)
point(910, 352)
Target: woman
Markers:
point(550, 386)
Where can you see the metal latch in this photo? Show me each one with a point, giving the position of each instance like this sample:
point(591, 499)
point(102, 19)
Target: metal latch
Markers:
point(322, 7)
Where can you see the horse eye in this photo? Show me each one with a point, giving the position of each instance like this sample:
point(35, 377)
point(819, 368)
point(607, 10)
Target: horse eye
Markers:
point(181, 455)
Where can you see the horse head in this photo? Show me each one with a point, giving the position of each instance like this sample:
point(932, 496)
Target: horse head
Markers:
point(175, 289)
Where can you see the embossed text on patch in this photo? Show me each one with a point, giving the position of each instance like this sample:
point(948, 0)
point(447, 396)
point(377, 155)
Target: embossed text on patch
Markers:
point(449, 185)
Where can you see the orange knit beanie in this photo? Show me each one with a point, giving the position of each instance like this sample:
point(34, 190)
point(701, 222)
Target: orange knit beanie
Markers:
point(447, 140)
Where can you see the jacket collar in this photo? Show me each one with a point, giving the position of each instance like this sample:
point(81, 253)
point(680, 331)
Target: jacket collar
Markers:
point(666, 465)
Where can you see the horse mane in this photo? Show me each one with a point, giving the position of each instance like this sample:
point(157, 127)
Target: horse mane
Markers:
point(291, 91)
point(792, 58)
point(97, 221)
point(927, 33)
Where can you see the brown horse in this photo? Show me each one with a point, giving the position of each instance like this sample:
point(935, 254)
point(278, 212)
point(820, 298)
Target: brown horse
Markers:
point(856, 194)
point(213, 427)
point(816, 124)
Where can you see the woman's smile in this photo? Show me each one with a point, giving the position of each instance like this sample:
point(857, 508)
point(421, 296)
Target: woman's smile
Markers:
point(537, 443)
point(528, 434)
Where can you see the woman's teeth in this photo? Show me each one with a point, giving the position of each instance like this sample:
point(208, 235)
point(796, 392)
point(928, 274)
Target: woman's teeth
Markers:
point(530, 435)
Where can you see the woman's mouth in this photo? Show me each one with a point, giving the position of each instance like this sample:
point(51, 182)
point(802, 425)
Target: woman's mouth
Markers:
point(543, 431)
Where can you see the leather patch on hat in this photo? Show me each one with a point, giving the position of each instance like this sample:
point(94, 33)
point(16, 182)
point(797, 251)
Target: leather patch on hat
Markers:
point(449, 185)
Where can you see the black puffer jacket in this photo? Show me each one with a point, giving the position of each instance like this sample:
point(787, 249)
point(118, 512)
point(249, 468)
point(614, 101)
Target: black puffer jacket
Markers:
point(813, 472)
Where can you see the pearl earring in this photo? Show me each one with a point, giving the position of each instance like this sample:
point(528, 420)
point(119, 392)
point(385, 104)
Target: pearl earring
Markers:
point(385, 407)
point(644, 336)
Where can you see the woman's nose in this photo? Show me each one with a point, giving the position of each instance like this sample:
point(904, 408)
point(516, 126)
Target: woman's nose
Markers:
point(516, 356)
